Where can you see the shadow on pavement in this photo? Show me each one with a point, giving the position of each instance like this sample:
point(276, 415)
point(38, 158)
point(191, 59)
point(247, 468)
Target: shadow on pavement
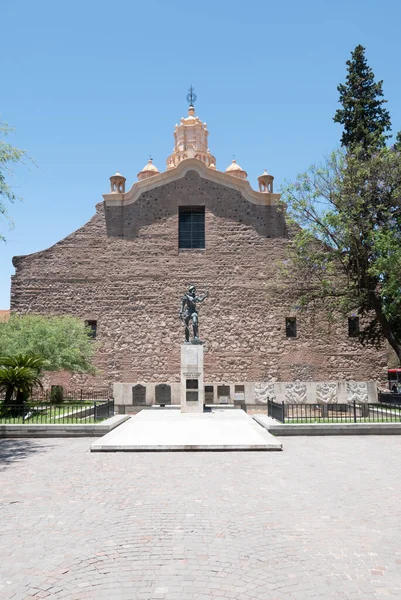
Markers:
point(13, 450)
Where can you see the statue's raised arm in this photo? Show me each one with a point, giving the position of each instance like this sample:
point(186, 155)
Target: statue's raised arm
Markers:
point(202, 298)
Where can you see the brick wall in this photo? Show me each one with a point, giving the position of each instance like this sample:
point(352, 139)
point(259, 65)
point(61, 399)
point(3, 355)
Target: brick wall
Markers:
point(123, 268)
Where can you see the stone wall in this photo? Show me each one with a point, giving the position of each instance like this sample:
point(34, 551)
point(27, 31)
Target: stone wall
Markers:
point(123, 269)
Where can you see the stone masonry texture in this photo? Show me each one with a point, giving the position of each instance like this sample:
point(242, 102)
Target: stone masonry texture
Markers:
point(320, 520)
point(125, 270)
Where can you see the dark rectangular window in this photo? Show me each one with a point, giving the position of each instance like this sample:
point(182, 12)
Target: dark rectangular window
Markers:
point(93, 327)
point(191, 230)
point(353, 326)
point(291, 327)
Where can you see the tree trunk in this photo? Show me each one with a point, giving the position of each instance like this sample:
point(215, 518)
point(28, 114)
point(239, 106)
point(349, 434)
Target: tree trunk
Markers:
point(386, 329)
point(9, 396)
point(10, 403)
point(22, 397)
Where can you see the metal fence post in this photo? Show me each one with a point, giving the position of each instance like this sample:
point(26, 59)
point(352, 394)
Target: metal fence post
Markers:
point(354, 411)
point(94, 411)
point(282, 411)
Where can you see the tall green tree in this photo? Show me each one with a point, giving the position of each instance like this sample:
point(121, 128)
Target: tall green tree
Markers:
point(363, 115)
point(397, 144)
point(346, 250)
point(9, 155)
point(63, 342)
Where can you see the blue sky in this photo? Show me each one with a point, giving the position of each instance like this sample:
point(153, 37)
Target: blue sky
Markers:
point(92, 87)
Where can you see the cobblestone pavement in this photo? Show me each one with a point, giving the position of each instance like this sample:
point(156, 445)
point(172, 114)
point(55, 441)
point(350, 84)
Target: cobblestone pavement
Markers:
point(322, 519)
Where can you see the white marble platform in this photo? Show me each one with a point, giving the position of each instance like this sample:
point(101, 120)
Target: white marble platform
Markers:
point(166, 430)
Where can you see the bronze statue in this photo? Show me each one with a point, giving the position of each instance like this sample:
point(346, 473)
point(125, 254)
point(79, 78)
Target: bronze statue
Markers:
point(189, 312)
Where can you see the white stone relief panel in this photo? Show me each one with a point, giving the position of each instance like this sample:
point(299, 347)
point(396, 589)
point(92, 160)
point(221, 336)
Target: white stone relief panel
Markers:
point(326, 393)
point(357, 391)
point(295, 393)
point(263, 392)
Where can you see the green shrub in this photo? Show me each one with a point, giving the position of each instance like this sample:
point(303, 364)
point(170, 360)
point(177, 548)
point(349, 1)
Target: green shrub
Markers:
point(56, 394)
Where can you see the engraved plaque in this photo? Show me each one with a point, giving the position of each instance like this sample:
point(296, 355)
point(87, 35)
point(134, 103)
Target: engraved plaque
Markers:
point(163, 393)
point(239, 392)
point(209, 394)
point(223, 393)
point(192, 396)
point(139, 395)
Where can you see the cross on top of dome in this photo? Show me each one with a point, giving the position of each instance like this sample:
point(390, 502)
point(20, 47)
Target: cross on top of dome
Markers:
point(191, 96)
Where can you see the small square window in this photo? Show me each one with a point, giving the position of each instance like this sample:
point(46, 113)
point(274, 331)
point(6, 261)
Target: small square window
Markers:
point(93, 328)
point(353, 326)
point(291, 327)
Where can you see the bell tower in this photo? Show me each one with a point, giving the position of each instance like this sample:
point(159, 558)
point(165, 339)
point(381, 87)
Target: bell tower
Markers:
point(117, 184)
point(266, 183)
point(191, 138)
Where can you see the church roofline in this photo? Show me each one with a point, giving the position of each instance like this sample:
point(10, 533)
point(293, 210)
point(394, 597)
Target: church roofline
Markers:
point(190, 164)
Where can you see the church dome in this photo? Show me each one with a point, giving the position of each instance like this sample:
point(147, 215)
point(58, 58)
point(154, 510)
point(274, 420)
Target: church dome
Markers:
point(148, 170)
point(190, 138)
point(235, 170)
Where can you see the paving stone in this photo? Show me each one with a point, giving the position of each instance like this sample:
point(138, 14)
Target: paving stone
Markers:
point(322, 519)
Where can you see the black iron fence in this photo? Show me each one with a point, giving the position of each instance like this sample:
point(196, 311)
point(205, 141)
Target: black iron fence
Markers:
point(334, 413)
point(276, 410)
point(389, 398)
point(79, 395)
point(56, 413)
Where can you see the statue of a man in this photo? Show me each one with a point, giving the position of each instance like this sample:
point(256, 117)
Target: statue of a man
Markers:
point(188, 311)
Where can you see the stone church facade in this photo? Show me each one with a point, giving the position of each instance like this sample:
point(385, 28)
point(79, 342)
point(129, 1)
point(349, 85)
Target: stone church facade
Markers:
point(125, 272)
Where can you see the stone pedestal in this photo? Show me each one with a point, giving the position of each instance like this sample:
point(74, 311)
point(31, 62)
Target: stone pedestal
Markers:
point(192, 389)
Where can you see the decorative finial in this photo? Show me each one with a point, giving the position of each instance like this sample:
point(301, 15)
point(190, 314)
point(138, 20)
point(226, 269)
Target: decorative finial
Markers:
point(150, 158)
point(191, 96)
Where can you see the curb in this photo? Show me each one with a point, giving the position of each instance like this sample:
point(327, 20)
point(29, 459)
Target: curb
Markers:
point(283, 429)
point(53, 430)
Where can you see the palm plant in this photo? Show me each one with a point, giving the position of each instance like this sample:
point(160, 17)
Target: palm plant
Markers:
point(18, 375)
point(31, 361)
point(18, 382)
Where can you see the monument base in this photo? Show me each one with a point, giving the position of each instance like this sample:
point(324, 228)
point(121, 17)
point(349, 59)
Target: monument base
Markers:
point(171, 430)
point(192, 389)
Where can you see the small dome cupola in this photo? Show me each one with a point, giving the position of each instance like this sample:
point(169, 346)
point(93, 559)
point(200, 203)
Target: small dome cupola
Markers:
point(236, 171)
point(117, 184)
point(266, 183)
point(148, 170)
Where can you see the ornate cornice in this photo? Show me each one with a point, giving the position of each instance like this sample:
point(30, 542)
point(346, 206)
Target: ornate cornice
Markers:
point(191, 164)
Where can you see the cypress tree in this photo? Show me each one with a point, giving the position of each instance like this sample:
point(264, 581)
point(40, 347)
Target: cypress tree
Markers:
point(363, 115)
